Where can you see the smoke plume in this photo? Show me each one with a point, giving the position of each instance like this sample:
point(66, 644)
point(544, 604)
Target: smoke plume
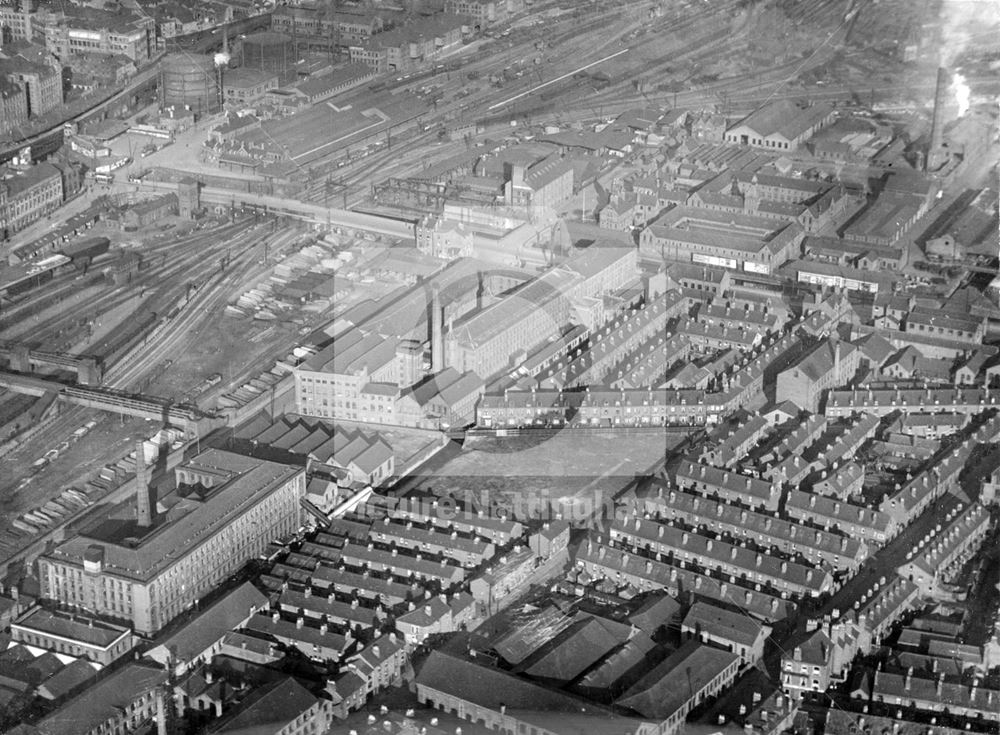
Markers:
point(962, 93)
point(965, 23)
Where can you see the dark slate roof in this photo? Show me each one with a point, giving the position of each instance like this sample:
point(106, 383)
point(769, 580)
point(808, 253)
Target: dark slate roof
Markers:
point(574, 651)
point(269, 709)
point(654, 612)
point(619, 664)
point(103, 701)
point(733, 626)
point(492, 688)
point(665, 688)
point(66, 625)
point(210, 626)
point(75, 674)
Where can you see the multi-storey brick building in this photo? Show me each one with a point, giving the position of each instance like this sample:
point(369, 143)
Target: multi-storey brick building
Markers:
point(228, 507)
point(311, 26)
point(484, 12)
point(72, 635)
point(13, 105)
point(72, 31)
point(409, 46)
point(128, 700)
point(540, 188)
point(29, 196)
point(41, 79)
point(486, 342)
point(331, 382)
point(710, 237)
point(830, 364)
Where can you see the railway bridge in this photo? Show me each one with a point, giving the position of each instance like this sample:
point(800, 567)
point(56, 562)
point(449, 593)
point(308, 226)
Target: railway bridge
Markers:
point(22, 359)
point(315, 214)
point(193, 421)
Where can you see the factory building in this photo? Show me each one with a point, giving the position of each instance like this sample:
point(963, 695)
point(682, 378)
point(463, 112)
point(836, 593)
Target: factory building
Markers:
point(781, 125)
point(152, 558)
point(705, 236)
point(486, 341)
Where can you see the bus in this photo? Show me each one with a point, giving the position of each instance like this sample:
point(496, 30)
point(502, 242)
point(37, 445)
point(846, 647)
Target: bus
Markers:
point(106, 179)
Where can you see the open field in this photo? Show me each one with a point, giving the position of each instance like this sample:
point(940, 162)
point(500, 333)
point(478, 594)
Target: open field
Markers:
point(568, 472)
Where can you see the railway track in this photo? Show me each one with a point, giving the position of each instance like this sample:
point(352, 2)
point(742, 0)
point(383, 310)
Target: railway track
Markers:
point(167, 263)
point(203, 304)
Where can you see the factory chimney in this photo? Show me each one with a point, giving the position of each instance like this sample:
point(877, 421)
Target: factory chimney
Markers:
point(437, 332)
point(145, 503)
point(937, 123)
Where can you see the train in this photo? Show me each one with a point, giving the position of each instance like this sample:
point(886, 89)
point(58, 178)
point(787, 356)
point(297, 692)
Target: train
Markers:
point(27, 275)
point(113, 346)
point(20, 278)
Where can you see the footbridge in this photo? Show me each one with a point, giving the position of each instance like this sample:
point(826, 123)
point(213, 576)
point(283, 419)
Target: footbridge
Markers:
point(315, 214)
point(193, 421)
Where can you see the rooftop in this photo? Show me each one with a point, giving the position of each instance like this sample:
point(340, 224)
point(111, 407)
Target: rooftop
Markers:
point(104, 701)
point(662, 691)
point(190, 522)
point(492, 688)
point(38, 174)
point(361, 354)
point(212, 624)
point(270, 709)
point(328, 82)
point(784, 118)
point(74, 627)
point(716, 621)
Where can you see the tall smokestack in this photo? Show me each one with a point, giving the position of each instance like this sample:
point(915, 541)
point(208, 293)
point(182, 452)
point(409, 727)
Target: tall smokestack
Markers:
point(145, 504)
point(937, 122)
point(437, 332)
